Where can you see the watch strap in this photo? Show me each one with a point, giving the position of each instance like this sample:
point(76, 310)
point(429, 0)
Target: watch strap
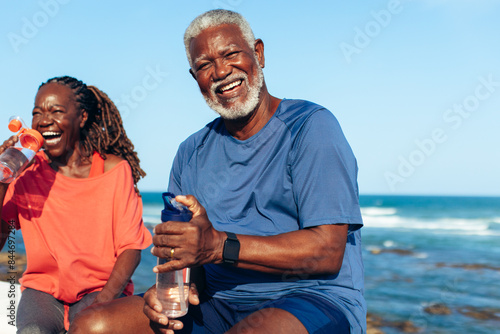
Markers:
point(231, 251)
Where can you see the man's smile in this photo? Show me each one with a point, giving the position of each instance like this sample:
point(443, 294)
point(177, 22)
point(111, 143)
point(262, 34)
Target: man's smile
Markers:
point(229, 86)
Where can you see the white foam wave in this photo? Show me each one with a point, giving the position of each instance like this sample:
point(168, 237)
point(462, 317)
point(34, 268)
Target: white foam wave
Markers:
point(448, 225)
point(376, 211)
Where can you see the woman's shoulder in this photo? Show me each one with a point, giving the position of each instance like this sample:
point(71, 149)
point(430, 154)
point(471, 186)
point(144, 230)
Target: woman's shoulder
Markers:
point(111, 161)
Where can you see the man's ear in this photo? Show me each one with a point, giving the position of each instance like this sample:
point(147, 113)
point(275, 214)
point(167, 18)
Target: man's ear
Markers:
point(259, 51)
point(192, 73)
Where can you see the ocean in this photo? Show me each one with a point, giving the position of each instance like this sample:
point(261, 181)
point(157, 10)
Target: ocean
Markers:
point(432, 263)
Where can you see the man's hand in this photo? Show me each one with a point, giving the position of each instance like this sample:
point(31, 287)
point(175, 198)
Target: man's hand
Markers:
point(194, 243)
point(152, 308)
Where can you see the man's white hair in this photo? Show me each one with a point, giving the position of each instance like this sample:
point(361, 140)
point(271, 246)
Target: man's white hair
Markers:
point(214, 18)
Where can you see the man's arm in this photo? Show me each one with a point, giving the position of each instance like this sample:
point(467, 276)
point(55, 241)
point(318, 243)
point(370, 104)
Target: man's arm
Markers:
point(315, 250)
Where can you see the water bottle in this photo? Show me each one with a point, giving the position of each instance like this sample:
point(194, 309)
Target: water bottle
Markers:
point(15, 158)
point(172, 288)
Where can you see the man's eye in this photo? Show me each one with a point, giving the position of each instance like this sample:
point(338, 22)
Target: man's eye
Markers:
point(202, 66)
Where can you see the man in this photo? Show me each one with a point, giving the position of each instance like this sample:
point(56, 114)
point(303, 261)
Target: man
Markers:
point(274, 198)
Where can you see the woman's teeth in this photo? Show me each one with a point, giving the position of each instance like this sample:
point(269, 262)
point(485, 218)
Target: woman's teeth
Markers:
point(51, 137)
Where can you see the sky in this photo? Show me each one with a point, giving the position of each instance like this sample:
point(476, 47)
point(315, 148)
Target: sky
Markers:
point(415, 84)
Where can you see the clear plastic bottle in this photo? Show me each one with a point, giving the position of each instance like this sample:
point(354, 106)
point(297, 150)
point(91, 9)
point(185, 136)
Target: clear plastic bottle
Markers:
point(172, 288)
point(15, 158)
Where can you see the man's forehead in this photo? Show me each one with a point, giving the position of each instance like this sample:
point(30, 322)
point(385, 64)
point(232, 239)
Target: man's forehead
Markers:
point(224, 37)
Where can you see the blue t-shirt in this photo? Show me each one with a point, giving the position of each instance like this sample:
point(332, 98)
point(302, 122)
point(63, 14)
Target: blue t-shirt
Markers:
point(298, 171)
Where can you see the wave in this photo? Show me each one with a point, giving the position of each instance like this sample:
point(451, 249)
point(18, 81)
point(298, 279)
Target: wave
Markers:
point(478, 226)
point(375, 211)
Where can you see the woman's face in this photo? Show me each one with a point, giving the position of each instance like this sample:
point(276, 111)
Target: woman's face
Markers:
point(58, 118)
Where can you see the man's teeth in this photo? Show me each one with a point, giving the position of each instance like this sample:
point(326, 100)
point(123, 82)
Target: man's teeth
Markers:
point(231, 85)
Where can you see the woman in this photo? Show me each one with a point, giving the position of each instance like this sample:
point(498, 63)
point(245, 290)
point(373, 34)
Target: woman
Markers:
point(77, 205)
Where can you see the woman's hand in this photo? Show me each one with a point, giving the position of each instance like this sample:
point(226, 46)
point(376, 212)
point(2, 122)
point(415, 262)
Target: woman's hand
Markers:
point(153, 308)
point(8, 143)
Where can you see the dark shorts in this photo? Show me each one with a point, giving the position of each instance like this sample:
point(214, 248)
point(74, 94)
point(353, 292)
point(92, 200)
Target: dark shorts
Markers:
point(215, 315)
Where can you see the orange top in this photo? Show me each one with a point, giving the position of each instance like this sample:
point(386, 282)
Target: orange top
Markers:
point(97, 167)
point(74, 229)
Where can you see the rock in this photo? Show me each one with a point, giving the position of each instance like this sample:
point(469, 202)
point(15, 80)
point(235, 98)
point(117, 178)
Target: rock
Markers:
point(467, 266)
point(480, 313)
point(12, 265)
point(399, 251)
point(439, 309)
point(375, 324)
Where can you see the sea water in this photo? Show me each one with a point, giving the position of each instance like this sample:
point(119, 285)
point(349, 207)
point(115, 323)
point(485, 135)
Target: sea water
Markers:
point(417, 251)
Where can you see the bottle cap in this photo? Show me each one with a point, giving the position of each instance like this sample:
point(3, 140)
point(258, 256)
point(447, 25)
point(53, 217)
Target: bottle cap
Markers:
point(31, 139)
point(15, 125)
point(174, 211)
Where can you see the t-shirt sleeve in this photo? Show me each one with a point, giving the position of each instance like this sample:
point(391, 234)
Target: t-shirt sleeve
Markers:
point(324, 173)
point(174, 183)
point(128, 226)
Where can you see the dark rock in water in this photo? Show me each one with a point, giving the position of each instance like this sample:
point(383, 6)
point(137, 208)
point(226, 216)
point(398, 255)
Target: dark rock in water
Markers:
point(375, 324)
point(467, 266)
point(480, 313)
point(12, 265)
point(439, 309)
point(398, 251)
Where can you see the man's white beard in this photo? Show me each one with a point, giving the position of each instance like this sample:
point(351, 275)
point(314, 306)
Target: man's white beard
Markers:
point(242, 109)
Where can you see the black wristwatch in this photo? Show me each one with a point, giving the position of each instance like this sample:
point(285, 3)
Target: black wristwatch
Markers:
point(231, 251)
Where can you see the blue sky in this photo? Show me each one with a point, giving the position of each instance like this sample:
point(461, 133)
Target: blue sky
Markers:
point(415, 84)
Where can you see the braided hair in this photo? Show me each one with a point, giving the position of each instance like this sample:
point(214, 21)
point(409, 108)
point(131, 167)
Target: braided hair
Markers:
point(103, 131)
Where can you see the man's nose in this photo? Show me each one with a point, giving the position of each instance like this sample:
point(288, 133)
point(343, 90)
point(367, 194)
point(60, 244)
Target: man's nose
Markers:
point(221, 70)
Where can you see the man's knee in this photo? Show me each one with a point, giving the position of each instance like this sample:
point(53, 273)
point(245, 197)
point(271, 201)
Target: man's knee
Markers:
point(89, 322)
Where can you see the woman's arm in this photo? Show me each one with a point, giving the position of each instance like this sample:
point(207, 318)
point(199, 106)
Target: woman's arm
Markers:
point(123, 269)
point(4, 229)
